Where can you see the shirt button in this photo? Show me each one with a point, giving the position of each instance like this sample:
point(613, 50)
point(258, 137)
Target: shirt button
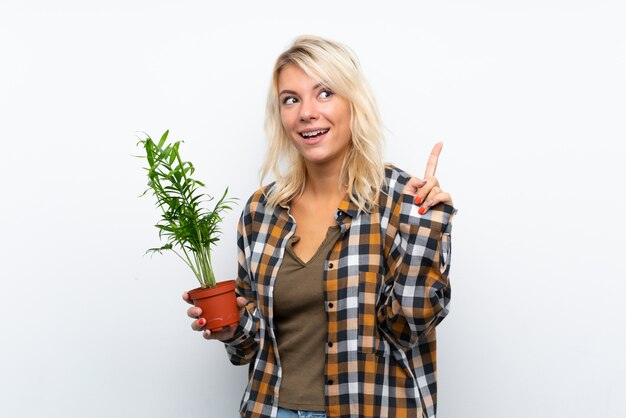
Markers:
point(330, 343)
point(330, 265)
point(330, 304)
point(330, 381)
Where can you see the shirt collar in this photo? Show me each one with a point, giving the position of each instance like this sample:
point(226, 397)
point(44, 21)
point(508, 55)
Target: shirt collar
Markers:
point(346, 207)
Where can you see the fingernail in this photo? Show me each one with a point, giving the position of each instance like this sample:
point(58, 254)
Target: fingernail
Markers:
point(201, 321)
point(422, 210)
point(418, 200)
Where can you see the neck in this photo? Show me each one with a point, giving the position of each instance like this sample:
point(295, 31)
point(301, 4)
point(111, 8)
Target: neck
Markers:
point(322, 180)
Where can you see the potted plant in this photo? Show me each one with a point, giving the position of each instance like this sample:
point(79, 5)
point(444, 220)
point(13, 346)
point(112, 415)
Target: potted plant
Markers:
point(191, 229)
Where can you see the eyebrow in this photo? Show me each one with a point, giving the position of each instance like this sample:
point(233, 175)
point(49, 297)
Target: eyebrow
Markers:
point(315, 87)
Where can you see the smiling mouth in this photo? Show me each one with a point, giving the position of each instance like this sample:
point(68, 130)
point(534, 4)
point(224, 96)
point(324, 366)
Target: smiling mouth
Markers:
point(313, 134)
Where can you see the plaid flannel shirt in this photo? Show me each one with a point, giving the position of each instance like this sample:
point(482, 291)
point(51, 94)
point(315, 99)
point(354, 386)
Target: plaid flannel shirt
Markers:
point(386, 288)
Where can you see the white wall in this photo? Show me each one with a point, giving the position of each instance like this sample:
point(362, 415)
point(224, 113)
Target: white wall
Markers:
point(528, 97)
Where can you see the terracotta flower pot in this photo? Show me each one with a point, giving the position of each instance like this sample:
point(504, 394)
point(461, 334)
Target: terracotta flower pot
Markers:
point(218, 304)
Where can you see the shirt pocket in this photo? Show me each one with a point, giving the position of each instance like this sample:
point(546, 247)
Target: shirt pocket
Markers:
point(369, 340)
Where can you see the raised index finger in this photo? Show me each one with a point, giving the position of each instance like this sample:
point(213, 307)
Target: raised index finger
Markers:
point(431, 165)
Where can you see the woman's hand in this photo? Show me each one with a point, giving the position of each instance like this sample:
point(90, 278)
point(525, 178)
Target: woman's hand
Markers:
point(198, 324)
point(427, 191)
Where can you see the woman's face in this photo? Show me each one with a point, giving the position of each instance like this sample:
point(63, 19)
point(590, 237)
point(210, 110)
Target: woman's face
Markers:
point(315, 118)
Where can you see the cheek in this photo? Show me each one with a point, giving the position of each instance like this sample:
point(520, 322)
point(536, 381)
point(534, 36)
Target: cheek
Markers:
point(285, 126)
point(286, 120)
point(345, 123)
point(288, 132)
point(341, 115)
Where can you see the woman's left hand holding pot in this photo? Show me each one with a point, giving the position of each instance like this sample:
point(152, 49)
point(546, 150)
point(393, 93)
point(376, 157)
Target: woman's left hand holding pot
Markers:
point(198, 324)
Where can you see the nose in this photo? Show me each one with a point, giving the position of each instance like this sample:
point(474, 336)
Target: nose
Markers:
point(308, 110)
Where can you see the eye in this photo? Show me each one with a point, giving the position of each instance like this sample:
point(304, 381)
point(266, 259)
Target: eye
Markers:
point(289, 100)
point(325, 94)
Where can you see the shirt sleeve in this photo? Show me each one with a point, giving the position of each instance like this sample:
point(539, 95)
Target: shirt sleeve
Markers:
point(244, 344)
point(416, 293)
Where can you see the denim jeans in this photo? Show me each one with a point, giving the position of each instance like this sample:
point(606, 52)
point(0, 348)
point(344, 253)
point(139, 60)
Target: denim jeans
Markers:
point(288, 413)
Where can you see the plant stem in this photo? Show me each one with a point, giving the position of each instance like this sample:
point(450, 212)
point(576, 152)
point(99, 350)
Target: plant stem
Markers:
point(211, 273)
point(208, 278)
point(190, 264)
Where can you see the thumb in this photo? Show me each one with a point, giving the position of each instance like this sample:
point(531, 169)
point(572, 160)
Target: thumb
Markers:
point(241, 302)
point(413, 185)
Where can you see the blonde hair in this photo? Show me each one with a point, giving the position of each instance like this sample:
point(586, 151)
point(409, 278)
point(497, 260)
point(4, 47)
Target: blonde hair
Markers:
point(362, 171)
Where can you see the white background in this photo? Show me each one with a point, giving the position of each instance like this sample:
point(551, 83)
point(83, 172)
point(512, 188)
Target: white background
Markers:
point(528, 96)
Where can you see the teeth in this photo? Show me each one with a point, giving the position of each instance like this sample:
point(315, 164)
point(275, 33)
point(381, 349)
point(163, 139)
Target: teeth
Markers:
point(313, 133)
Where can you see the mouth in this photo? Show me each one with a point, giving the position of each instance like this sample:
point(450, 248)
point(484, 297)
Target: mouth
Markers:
point(313, 137)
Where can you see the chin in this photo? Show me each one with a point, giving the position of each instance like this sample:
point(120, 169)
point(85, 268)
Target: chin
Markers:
point(317, 159)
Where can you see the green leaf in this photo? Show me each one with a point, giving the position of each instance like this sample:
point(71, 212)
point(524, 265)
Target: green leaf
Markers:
point(163, 138)
point(174, 152)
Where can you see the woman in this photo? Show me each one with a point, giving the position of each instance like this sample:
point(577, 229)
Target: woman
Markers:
point(343, 261)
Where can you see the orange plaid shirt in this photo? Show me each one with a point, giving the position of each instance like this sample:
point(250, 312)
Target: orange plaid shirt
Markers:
point(386, 287)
